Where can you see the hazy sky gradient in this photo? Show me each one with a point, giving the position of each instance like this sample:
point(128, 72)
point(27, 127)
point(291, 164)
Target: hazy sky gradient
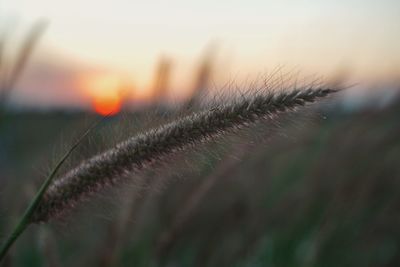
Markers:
point(315, 36)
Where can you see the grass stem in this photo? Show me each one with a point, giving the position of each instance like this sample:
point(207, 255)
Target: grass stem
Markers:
point(26, 218)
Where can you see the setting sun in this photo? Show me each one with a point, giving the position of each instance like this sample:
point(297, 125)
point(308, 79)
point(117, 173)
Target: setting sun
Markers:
point(107, 106)
point(105, 91)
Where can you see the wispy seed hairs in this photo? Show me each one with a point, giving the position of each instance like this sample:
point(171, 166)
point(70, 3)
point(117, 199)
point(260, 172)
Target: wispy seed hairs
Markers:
point(139, 152)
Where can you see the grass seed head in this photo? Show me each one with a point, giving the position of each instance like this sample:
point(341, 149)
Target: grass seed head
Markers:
point(141, 151)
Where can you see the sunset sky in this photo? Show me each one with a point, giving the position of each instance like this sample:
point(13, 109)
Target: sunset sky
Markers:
point(121, 41)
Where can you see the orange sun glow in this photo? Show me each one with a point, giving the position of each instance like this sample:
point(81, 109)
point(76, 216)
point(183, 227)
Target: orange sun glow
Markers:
point(105, 91)
point(107, 106)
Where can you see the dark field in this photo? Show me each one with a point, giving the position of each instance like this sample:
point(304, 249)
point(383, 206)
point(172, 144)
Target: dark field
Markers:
point(315, 188)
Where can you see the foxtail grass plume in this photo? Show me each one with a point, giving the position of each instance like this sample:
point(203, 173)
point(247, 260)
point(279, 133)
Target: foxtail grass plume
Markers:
point(141, 151)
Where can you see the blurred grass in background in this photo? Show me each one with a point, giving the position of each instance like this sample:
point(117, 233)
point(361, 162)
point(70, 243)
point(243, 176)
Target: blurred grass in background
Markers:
point(307, 191)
